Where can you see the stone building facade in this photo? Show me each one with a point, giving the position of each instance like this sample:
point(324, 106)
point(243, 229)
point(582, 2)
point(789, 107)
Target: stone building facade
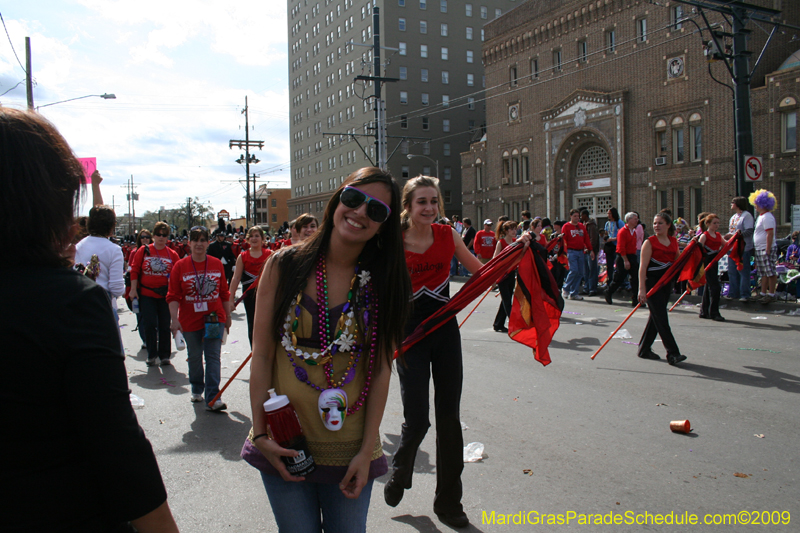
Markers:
point(610, 103)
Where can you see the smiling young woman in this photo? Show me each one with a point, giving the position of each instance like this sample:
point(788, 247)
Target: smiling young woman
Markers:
point(329, 314)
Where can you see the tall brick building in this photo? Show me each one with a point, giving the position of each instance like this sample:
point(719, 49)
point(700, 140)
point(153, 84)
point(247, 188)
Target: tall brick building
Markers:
point(437, 104)
point(610, 103)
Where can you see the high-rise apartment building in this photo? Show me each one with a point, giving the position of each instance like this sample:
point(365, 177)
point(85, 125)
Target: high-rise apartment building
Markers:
point(433, 112)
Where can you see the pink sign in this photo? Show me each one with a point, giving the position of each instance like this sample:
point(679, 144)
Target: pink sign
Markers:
point(89, 166)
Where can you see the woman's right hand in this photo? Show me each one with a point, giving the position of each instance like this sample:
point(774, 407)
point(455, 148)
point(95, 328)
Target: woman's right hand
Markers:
point(273, 452)
point(175, 327)
point(642, 296)
point(133, 295)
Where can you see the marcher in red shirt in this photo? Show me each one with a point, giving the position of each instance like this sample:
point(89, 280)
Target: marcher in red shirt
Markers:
point(248, 268)
point(711, 241)
point(151, 266)
point(485, 241)
point(627, 264)
point(576, 240)
point(199, 303)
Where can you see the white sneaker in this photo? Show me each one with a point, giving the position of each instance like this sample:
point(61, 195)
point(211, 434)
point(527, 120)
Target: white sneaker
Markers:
point(564, 294)
point(197, 398)
point(744, 300)
point(218, 406)
point(576, 297)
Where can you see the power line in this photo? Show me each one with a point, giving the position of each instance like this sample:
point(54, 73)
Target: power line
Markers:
point(14, 87)
point(12, 45)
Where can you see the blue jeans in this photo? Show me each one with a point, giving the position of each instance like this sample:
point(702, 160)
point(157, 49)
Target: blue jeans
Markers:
point(453, 266)
point(592, 271)
point(197, 346)
point(739, 281)
point(576, 271)
point(303, 507)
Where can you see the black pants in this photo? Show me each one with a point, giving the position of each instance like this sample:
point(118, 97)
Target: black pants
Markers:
point(658, 322)
point(620, 273)
point(250, 310)
point(439, 355)
point(155, 320)
point(610, 250)
point(506, 286)
point(710, 306)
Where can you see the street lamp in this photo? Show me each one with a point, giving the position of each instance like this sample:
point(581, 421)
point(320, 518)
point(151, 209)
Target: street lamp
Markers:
point(104, 96)
point(434, 161)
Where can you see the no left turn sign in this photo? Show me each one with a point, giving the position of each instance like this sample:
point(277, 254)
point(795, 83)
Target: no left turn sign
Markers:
point(753, 168)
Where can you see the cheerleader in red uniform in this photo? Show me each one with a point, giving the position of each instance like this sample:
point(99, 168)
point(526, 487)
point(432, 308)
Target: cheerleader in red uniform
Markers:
point(658, 253)
point(712, 241)
point(429, 249)
point(248, 268)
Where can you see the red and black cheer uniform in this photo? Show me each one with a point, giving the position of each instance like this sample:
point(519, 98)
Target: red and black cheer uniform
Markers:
point(252, 269)
point(438, 354)
point(152, 268)
point(658, 322)
point(710, 306)
point(506, 286)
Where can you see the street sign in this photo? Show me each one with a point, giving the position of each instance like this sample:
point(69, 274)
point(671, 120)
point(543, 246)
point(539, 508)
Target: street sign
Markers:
point(795, 218)
point(753, 168)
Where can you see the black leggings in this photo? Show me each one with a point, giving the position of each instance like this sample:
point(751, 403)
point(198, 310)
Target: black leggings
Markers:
point(506, 286)
point(710, 305)
point(155, 321)
point(437, 355)
point(658, 322)
point(250, 310)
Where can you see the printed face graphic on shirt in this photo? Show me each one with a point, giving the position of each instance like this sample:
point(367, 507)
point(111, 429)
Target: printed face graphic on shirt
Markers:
point(487, 241)
point(332, 406)
point(156, 266)
point(576, 232)
point(202, 288)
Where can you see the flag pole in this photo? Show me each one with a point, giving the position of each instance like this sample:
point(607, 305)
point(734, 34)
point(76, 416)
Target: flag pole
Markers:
point(230, 379)
point(473, 309)
point(616, 330)
point(681, 298)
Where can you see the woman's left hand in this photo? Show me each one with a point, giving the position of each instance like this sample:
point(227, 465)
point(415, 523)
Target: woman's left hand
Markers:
point(356, 477)
point(526, 238)
point(228, 322)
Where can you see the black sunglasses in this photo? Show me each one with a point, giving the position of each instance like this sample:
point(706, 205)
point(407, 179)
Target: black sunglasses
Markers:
point(145, 237)
point(377, 211)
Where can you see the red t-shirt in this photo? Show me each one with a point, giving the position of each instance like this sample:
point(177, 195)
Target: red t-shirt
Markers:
point(430, 271)
point(200, 289)
point(576, 237)
point(252, 267)
point(626, 241)
point(484, 244)
point(152, 269)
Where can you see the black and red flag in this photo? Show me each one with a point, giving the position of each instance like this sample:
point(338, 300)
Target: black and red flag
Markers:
point(530, 305)
point(537, 306)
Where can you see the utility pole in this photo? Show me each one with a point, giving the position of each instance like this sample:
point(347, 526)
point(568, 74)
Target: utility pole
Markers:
point(247, 159)
point(738, 65)
point(28, 77)
point(132, 197)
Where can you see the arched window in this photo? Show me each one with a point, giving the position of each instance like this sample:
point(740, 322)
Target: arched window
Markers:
point(788, 109)
point(506, 167)
point(678, 154)
point(695, 137)
point(515, 166)
point(594, 162)
point(478, 174)
point(524, 164)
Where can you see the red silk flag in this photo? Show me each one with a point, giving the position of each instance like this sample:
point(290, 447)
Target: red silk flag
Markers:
point(737, 251)
point(537, 306)
point(490, 273)
point(693, 270)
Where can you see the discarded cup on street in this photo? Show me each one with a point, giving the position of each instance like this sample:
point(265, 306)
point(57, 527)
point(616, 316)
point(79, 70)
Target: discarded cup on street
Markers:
point(680, 426)
point(473, 452)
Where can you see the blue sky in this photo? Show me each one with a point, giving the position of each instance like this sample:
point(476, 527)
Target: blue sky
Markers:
point(180, 71)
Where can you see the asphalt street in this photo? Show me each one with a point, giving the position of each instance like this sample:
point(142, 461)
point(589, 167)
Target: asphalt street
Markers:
point(577, 437)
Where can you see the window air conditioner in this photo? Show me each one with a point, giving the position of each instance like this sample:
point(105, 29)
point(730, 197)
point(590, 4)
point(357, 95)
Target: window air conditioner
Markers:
point(661, 161)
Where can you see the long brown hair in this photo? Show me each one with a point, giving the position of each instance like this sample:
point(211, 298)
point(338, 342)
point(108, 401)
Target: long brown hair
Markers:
point(383, 256)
